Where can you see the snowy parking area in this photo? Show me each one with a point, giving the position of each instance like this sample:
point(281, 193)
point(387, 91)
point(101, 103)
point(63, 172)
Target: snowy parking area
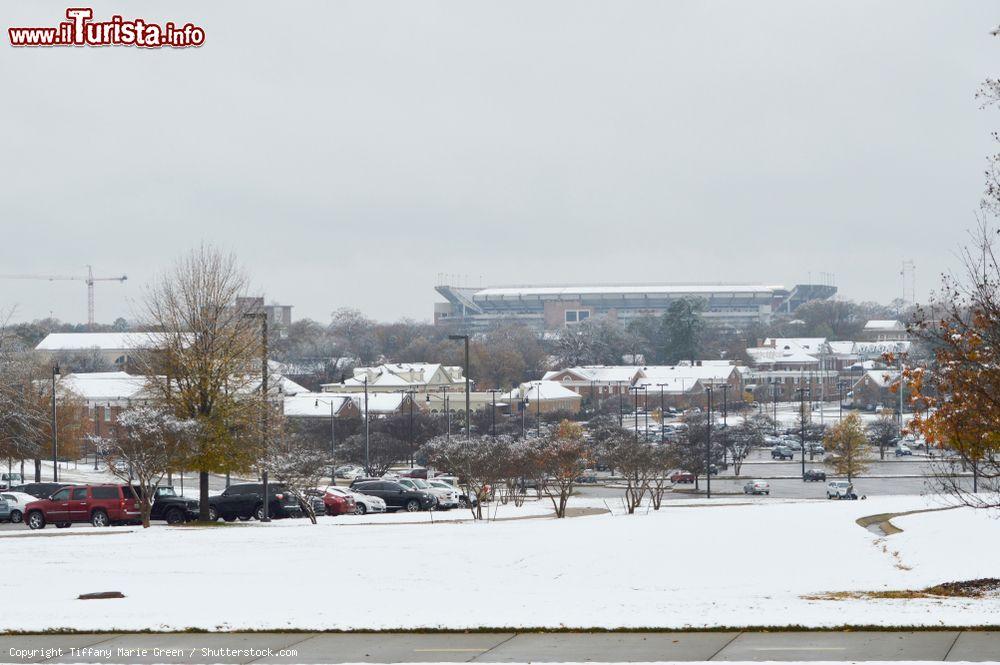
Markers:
point(728, 563)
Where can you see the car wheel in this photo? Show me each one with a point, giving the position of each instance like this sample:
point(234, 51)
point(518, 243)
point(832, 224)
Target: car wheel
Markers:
point(768, 492)
point(174, 516)
point(412, 506)
point(100, 518)
point(16, 516)
point(462, 503)
point(213, 514)
point(36, 520)
point(360, 509)
point(259, 513)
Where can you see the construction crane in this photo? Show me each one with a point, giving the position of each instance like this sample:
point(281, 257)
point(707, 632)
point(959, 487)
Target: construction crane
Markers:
point(89, 279)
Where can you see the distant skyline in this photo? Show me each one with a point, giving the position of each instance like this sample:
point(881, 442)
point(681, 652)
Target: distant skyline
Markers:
point(354, 162)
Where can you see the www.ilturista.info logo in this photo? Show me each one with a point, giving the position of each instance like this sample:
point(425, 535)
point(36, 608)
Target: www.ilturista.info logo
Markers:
point(81, 30)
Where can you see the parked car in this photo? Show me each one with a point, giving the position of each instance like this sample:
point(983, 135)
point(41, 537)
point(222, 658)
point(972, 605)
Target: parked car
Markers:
point(16, 503)
point(814, 475)
point(39, 490)
point(349, 472)
point(792, 444)
point(246, 500)
point(903, 450)
point(757, 487)
point(679, 477)
point(363, 503)
point(169, 506)
point(840, 489)
point(771, 440)
point(101, 505)
point(332, 502)
point(416, 472)
point(8, 480)
point(464, 501)
point(396, 496)
point(782, 452)
point(588, 476)
point(815, 448)
point(447, 497)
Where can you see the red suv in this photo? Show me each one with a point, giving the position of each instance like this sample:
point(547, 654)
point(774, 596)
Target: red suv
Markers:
point(335, 503)
point(101, 505)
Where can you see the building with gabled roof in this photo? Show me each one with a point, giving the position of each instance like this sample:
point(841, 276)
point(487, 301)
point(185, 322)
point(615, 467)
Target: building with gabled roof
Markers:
point(401, 377)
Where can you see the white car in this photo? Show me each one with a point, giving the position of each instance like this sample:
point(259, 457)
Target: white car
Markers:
point(8, 480)
point(447, 497)
point(350, 472)
point(363, 503)
point(757, 487)
point(17, 501)
point(840, 489)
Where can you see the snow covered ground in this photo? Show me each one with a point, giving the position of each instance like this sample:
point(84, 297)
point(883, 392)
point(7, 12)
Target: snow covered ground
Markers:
point(729, 563)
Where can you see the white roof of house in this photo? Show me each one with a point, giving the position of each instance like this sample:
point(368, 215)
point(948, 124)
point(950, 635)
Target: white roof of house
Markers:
point(883, 378)
point(600, 373)
point(103, 386)
point(705, 372)
point(671, 385)
point(884, 324)
point(314, 405)
point(106, 341)
point(766, 355)
point(541, 390)
point(808, 344)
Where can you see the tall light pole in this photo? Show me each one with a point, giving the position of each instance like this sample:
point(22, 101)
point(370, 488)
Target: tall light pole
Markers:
point(468, 419)
point(266, 517)
point(413, 447)
point(725, 388)
point(662, 413)
point(55, 436)
point(802, 425)
point(493, 413)
point(708, 447)
point(367, 430)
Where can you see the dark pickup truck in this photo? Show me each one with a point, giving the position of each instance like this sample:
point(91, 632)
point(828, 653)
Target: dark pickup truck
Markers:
point(246, 500)
point(169, 506)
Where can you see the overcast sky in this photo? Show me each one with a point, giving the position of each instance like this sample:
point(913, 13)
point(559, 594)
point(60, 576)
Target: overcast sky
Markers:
point(350, 152)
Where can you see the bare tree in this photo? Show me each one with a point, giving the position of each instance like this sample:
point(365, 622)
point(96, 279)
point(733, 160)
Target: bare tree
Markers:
point(636, 461)
point(560, 459)
point(478, 462)
point(147, 444)
point(882, 432)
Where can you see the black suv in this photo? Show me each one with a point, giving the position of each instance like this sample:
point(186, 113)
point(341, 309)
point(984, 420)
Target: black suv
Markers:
point(782, 452)
point(815, 475)
point(246, 500)
point(40, 490)
point(396, 496)
point(170, 506)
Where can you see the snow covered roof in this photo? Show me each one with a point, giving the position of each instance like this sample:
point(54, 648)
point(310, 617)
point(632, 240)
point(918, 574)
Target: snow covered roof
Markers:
point(884, 324)
point(671, 385)
point(842, 348)
point(103, 386)
point(541, 390)
point(766, 355)
point(314, 405)
point(106, 341)
point(883, 378)
point(710, 372)
point(621, 289)
point(404, 375)
point(600, 373)
point(808, 344)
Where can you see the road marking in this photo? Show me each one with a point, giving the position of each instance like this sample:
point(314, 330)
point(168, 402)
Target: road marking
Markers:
point(448, 650)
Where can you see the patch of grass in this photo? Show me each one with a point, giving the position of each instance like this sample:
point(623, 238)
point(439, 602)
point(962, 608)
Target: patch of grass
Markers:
point(980, 588)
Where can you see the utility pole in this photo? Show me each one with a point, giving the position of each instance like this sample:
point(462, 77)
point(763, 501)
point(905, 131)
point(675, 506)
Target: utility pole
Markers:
point(708, 447)
point(725, 388)
point(55, 436)
point(367, 429)
point(662, 413)
point(802, 425)
point(468, 419)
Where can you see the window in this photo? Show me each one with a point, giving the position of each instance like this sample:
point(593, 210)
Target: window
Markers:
point(61, 495)
point(104, 492)
point(79, 493)
point(570, 316)
point(107, 414)
point(577, 315)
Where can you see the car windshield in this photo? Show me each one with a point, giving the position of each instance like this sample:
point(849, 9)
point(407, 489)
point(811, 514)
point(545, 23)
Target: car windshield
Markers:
point(420, 483)
point(165, 491)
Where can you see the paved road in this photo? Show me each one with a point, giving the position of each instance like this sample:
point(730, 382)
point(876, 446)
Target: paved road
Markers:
point(945, 645)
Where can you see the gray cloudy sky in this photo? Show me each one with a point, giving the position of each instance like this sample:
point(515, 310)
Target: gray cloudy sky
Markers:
point(349, 152)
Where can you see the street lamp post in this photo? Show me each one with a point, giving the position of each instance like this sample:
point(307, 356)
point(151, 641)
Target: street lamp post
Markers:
point(802, 425)
point(725, 387)
point(468, 420)
point(266, 517)
point(493, 413)
point(55, 437)
point(662, 413)
point(367, 429)
point(708, 447)
point(413, 447)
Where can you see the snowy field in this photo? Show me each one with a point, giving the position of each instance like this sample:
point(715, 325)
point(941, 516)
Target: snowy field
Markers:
point(731, 563)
